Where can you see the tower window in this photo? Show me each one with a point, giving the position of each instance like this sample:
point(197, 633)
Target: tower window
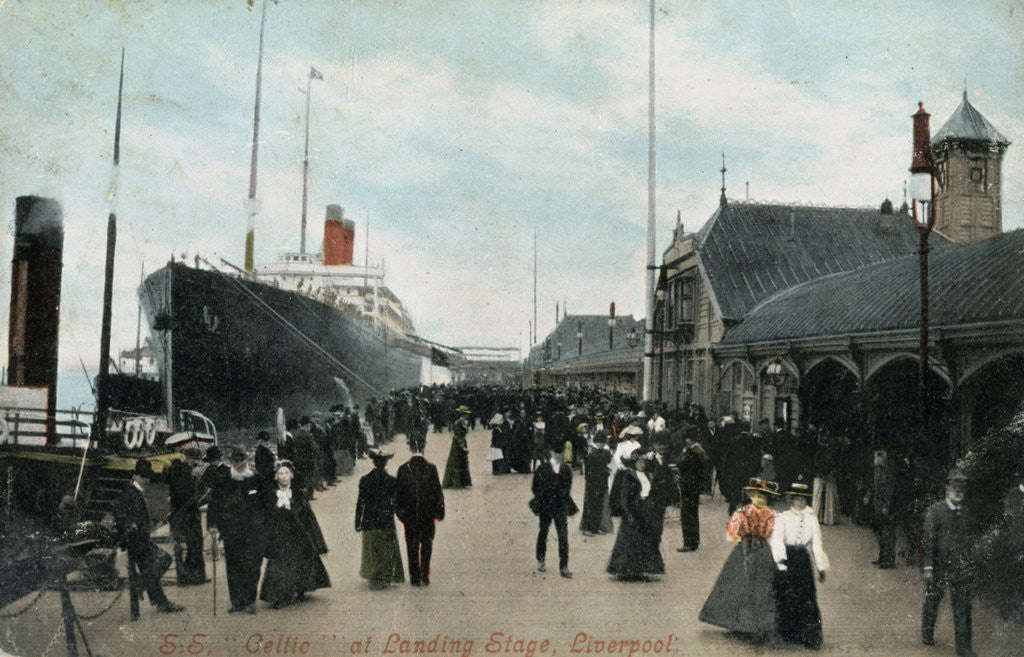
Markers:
point(978, 174)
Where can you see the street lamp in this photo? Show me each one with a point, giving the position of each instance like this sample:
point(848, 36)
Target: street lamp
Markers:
point(632, 338)
point(579, 336)
point(922, 193)
point(659, 322)
point(775, 374)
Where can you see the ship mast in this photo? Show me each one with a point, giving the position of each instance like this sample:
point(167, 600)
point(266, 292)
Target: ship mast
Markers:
point(252, 203)
point(103, 389)
point(313, 75)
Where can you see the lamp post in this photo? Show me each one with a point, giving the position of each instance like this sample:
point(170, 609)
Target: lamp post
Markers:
point(611, 324)
point(579, 337)
point(659, 321)
point(632, 339)
point(922, 193)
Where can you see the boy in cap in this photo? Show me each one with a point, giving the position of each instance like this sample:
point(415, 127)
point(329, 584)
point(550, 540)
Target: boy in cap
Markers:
point(949, 533)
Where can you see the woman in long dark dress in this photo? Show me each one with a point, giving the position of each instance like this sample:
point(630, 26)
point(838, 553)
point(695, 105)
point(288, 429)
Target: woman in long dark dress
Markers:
point(797, 615)
point(743, 599)
point(636, 556)
point(596, 517)
point(381, 564)
point(293, 562)
point(456, 470)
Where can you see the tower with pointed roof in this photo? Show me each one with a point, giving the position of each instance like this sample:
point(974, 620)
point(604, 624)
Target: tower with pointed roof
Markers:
point(968, 153)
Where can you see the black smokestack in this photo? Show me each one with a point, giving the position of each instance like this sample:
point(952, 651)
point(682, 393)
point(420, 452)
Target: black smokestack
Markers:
point(35, 299)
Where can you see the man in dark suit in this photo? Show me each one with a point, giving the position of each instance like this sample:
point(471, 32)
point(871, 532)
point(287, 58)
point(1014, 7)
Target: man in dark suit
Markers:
point(186, 522)
point(692, 478)
point(419, 502)
point(131, 516)
point(949, 535)
point(552, 483)
point(882, 497)
point(236, 515)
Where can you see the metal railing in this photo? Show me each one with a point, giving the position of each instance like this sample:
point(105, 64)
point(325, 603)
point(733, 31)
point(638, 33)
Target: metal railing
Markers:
point(29, 426)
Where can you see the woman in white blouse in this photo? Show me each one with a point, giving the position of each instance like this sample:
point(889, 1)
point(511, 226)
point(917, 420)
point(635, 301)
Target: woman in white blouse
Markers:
point(798, 619)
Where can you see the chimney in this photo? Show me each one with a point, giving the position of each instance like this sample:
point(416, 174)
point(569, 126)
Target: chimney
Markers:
point(35, 299)
point(339, 237)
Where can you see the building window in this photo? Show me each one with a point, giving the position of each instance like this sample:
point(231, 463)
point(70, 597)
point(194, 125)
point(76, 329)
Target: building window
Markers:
point(680, 307)
point(686, 300)
point(978, 174)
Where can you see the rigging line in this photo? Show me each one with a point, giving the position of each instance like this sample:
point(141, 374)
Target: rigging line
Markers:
point(305, 338)
point(299, 333)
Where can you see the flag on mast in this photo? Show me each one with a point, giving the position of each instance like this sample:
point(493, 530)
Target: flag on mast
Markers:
point(315, 74)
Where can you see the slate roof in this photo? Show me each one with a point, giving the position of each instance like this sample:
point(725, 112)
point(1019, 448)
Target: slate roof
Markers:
point(752, 251)
point(968, 124)
point(969, 285)
point(595, 339)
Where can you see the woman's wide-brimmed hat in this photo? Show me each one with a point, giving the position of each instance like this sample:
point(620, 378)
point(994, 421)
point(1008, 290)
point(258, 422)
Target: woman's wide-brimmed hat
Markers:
point(632, 431)
point(758, 485)
point(237, 454)
point(284, 463)
point(463, 409)
point(378, 457)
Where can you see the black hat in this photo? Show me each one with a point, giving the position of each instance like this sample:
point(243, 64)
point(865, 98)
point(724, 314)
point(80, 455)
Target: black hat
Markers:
point(799, 487)
point(263, 435)
point(284, 463)
point(378, 457)
point(212, 454)
point(237, 454)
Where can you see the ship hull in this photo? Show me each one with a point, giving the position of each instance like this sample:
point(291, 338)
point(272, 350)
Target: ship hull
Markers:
point(236, 349)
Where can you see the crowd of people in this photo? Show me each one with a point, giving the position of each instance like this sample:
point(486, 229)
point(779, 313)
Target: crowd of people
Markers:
point(780, 485)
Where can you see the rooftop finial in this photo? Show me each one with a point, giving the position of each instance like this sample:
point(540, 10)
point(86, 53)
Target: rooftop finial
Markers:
point(722, 200)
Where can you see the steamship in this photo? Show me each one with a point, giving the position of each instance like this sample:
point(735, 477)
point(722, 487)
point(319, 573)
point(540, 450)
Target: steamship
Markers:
point(304, 333)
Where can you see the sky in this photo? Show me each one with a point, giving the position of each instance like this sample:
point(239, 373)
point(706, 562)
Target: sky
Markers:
point(457, 130)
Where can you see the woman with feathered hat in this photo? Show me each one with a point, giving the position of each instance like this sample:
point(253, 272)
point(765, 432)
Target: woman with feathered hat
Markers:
point(743, 599)
point(636, 555)
point(375, 518)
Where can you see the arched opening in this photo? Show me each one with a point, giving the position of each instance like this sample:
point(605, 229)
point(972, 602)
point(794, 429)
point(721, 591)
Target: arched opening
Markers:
point(993, 395)
point(894, 420)
point(830, 400)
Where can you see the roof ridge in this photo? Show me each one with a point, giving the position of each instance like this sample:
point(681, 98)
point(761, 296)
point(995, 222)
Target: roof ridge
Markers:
point(805, 204)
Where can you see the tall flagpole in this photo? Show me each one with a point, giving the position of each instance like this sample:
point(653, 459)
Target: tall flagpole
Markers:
point(534, 287)
point(649, 288)
point(253, 204)
point(102, 384)
point(313, 75)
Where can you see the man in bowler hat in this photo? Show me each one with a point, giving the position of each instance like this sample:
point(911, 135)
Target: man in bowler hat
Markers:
point(131, 517)
point(949, 535)
point(552, 483)
point(236, 515)
point(419, 502)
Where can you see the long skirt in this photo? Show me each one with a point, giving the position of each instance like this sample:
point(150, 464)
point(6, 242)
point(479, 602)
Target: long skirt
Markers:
point(456, 471)
point(826, 500)
point(635, 553)
point(596, 516)
point(743, 599)
point(293, 573)
point(382, 559)
point(797, 614)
